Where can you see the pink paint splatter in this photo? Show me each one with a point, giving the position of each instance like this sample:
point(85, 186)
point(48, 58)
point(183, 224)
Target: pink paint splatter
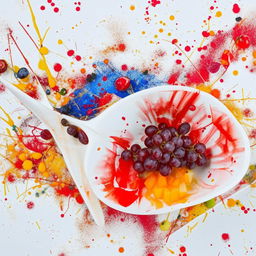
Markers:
point(225, 237)
point(236, 8)
point(30, 205)
point(154, 3)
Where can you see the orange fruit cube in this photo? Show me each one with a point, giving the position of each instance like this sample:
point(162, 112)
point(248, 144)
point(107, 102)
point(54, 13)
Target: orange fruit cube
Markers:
point(150, 181)
point(167, 196)
point(161, 181)
point(158, 192)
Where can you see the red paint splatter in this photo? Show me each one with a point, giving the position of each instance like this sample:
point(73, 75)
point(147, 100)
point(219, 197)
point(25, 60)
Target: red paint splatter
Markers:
point(225, 237)
point(121, 47)
point(62, 215)
point(205, 34)
point(236, 8)
point(187, 48)
point(42, 7)
point(56, 9)
point(78, 8)
point(154, 3)
point(70, 52)
point(182, 249)
point(11, 178)
point(2, 88)
point(122, 83)
point(124, 67)
point(78, 57)
point(30, 205)
point(57, 67)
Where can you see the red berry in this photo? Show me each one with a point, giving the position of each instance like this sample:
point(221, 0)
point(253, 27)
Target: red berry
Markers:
point(243, 42)
point(3, 66)
point(79, 199)
point(122, 83)
point(45, 134)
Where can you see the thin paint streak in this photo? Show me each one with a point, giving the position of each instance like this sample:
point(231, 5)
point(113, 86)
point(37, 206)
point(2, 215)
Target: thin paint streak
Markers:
point(51, 79)
point(38, 226)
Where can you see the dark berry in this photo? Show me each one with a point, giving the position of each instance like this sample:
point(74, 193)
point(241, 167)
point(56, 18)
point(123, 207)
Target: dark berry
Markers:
point(157, 153)
point(142, 154)
point(45, 134)
point(63, 91)
point(187, 142)
point(177, 141)
point(183, 163)
point(22, 73)
point(165, 158)
point(64, 122)
point(126, 155)
point(201, 160)
point(184, 128)
point(161, 126)
point(72, 130)
point(200, 148)
point(166, 134)
point(191, 165)
point(191, 156)
point(149, 142)
point(138, 166)
point(82, 137)
point(164, 169)
point(175, 162)
point(151, 130)
point(135, 148)
point(173, 131)
point(150, 164)
point(168, 147)
point(157, 139)
point(179, 152)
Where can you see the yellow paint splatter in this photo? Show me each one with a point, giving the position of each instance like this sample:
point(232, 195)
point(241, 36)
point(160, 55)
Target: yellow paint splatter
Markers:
point(171, 17)
point(161, 30)
point(218, 14)
point(231, 202)
point(132, 7)
point(235, 72)
point(60, 41)
point(44, 50)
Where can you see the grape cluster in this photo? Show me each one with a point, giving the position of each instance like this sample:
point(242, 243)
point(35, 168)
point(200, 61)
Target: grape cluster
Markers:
point(166, 148)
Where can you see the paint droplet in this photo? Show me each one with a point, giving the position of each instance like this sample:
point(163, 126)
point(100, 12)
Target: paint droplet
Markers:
point(218, 14)
point(161, 30)
point(178, 62)
point(60, 41)
point(205, 34)
point(44, 50)
point(42, 7)
point(236, 8)
point(57, 67)
point(182, 249)
point(121, 249)
point(78, 8)
point(187, 48)
point(30, 205)
point(56, 9)
point(62, 215)
point(225, 236)
point(123, 118)
point(78, 58)
point(132, 7)
point(70, 52)
point(235, 72)
point(171, 17)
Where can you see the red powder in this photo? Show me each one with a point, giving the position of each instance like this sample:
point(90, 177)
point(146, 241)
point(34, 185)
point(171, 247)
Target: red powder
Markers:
point(57, 67)
point(225, 236)
point(236, 8)
point(30, 205)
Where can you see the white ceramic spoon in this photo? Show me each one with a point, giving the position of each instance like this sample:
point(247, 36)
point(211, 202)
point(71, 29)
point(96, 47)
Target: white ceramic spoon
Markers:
point(72, 151)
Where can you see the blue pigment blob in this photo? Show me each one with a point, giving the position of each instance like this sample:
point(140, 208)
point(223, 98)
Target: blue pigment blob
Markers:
point(85, 103)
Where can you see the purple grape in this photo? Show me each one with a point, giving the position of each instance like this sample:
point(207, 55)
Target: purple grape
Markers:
point(202, 160)
point(135, 148)
point(173, 131)
point(157, 153)
point(177, 141)
point(151, 130)
point(175, 162)
point(183, 163)
point(200, 148)
point(157, 139)
point(168, 147)
point(187, 142)
point(191, 156)
point(179, 152)
point(126, 155)
point(165, 158)
point(191, 165)
point(161, 126)
point(149, 142)
point(166, 134)
point(138, 166)
point(164, 169)
point(150, 164)
point(142, 154)
point(184, 128)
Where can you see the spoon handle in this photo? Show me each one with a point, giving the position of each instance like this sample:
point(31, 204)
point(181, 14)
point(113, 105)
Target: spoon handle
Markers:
point(71, 150)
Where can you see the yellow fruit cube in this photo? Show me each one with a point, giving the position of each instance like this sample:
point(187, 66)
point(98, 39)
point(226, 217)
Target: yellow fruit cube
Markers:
point(183, 188)
point(158, 204)
point(174, 194)
point(158, 192)
point(150, 181)
point(41, 167)
point(167, 196)
point(161, 181)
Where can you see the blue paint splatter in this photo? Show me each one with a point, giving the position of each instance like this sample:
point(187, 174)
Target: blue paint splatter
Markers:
point(85, 103)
